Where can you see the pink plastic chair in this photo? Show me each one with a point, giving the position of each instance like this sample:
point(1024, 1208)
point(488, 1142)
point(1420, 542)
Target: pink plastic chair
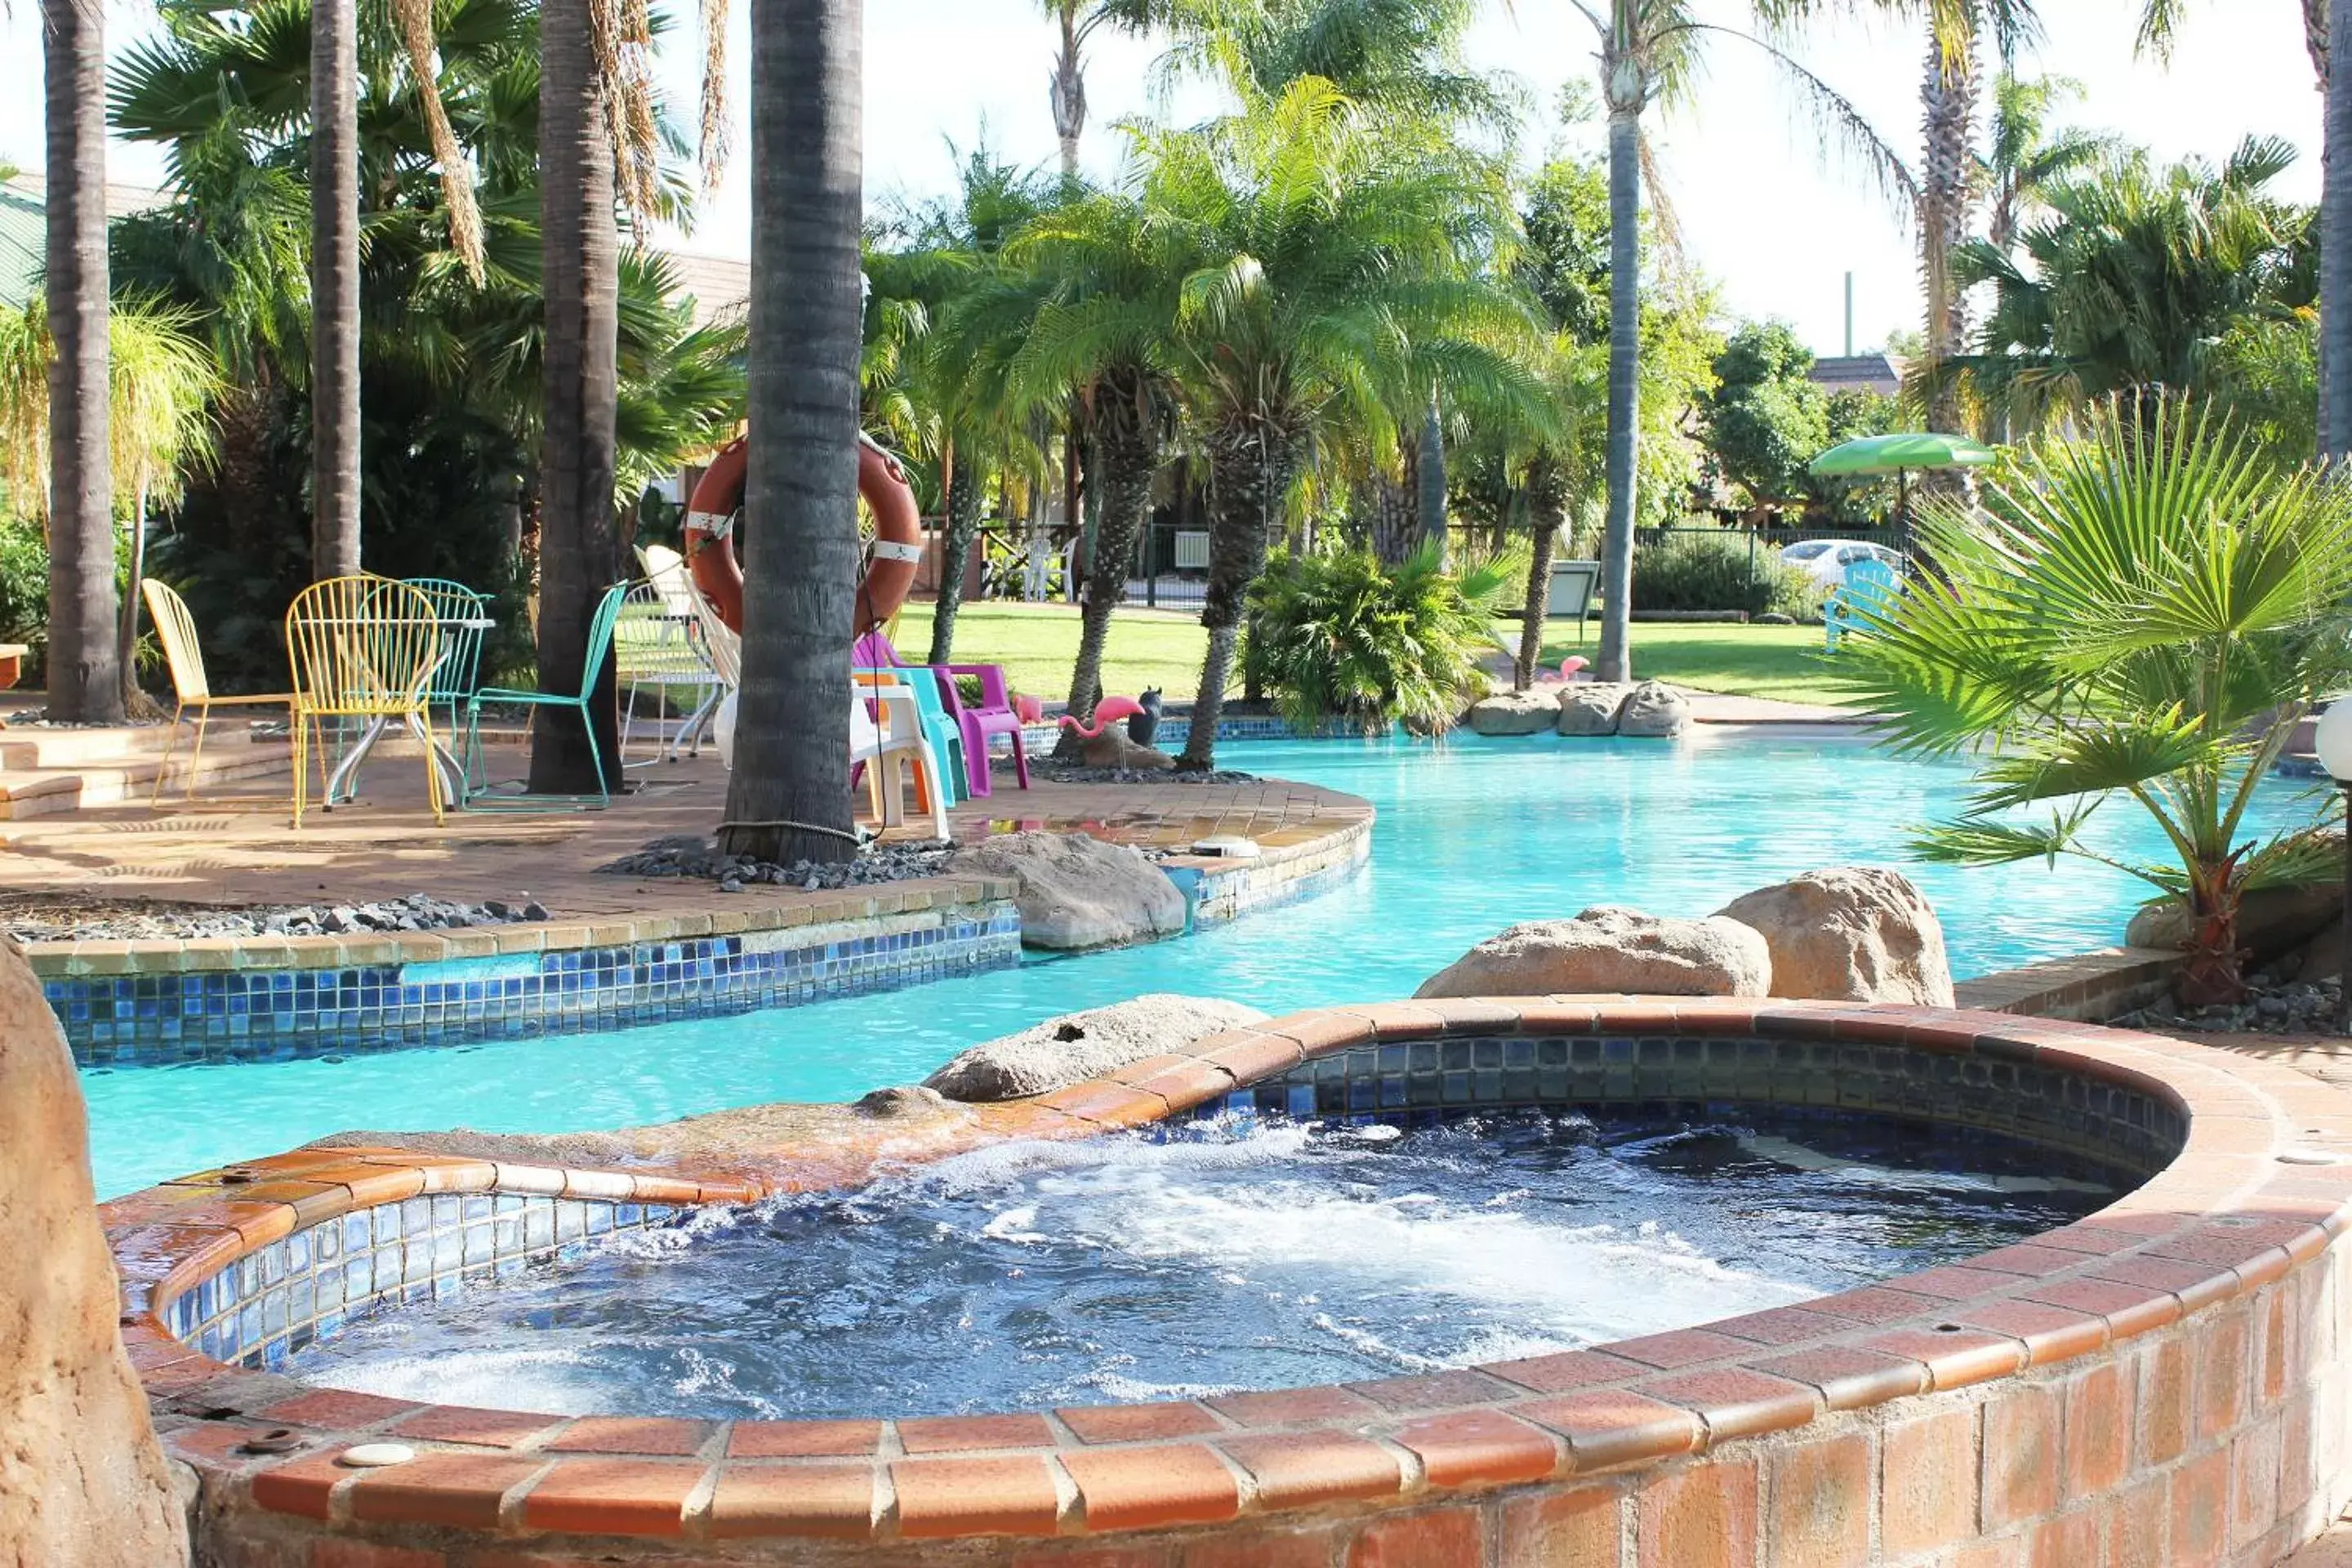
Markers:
point(981, 722)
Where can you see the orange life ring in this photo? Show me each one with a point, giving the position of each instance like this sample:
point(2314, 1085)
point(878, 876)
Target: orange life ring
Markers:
point(890, 562)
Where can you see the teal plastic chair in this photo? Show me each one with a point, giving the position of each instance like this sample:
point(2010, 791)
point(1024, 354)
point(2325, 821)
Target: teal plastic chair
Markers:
point(1870, 590)
point(479, 796)
point(940, 726)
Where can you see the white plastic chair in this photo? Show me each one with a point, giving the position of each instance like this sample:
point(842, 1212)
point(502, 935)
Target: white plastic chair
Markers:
point(887, 750)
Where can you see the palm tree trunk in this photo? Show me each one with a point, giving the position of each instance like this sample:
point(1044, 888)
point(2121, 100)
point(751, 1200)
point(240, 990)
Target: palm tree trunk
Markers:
point(1069, 90)
point(789, 798)
point(1545, 512)
point(578, 550)
point(1429, 477)
point(1127, 457)
point(1948, 97)
point(85, 685)
point(334, 289)
point(1615, 661)
point(967, 490)
point(2336, 253)
point(1250, 468)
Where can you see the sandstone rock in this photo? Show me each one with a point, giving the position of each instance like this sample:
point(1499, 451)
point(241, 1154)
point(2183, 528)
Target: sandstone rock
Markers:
point(1849, 934)
point(1515, 713)
point(1114, 749)
point(900, 1101)
point(1654, 710)
point(1077, 892)
point(82, 1479)
point(1081, 1045)
point(1609, 949)
point(2269, 923)
point(1590, 708)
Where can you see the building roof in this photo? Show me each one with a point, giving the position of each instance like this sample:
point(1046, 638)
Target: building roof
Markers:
point(1858, 372)
point(24, 230)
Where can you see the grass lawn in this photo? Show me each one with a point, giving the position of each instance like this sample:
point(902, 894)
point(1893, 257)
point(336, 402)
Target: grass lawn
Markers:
point(1786, 662)
point(1036, 643)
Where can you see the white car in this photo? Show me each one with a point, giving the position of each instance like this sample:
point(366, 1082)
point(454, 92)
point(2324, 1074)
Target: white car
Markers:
point(1825, 560)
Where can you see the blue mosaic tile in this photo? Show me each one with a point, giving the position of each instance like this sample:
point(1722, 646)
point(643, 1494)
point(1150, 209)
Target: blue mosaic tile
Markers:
point(279, 1015)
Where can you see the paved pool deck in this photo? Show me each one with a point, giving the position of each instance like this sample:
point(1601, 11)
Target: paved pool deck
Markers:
point(245, 852)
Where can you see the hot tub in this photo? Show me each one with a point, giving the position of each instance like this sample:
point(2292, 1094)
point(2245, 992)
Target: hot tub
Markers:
point(2152, 1379)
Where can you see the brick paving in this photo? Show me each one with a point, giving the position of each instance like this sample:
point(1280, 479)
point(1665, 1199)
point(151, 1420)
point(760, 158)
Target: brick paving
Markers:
point(232, 852)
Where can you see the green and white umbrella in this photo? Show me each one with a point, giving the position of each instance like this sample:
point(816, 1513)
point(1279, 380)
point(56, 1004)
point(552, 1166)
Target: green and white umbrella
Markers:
point(1901, 453)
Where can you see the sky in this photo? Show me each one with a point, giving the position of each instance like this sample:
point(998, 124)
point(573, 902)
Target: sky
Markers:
point(1774, 223)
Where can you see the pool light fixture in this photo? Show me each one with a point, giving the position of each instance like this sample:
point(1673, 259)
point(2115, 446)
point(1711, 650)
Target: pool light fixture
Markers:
point(2333, 741)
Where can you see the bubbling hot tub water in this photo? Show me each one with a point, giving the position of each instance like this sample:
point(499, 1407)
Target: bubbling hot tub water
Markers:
point(1188, 1261)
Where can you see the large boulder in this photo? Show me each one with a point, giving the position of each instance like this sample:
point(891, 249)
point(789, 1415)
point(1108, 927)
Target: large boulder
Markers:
point(1609, 949)
point(1076, 1047)
point(82, 1481)
point(1077, 892)
point(1590, 707)
point(1849, 934)
point(2270, 922)
point(1654, 710)
point(1515, 713)
point(1113, 748)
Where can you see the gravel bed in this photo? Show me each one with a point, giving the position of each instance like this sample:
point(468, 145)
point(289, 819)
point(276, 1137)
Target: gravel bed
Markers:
point(2278, 1006)
point(690, 856)
point(42, 918)
point(1052, 772)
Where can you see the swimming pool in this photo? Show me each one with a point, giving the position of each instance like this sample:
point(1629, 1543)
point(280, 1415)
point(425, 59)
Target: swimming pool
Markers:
point(1472, 835)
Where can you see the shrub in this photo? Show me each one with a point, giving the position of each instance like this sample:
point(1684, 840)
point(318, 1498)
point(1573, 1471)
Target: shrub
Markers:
point(1340, 637)
point(25, 592)
point(1721, 572)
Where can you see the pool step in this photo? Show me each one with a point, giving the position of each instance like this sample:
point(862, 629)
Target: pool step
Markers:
point(40, 791)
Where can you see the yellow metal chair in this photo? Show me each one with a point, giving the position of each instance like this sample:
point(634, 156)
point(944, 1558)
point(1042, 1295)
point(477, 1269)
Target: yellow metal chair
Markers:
point(364, 648)
point(176, 629)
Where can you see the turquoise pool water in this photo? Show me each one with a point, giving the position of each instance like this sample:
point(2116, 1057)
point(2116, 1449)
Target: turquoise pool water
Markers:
point(1473, 835)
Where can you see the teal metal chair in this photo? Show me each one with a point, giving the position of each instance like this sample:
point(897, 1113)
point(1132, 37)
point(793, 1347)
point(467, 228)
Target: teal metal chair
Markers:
point(481, 796)
point(1869, 590)
point(466, 623)
point(940, 726)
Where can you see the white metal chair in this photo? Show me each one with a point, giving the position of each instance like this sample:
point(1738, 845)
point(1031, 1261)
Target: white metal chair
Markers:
point(657, 645)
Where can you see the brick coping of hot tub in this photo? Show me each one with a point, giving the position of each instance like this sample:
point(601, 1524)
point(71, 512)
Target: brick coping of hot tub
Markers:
point(2156, 1382)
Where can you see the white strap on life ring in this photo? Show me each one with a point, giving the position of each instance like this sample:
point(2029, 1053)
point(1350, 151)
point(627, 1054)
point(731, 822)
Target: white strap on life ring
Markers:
point(716, 524)
point(891, 550)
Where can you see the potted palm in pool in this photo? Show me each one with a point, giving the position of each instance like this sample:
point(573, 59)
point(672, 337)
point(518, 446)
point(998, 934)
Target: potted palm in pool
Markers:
point(2138, 614)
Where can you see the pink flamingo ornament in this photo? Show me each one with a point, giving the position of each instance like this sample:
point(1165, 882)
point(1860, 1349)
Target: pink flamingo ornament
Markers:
point(1570, 665)
point(1108, 711)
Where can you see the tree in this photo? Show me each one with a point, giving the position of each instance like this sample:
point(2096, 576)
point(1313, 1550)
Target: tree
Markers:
point(2028, 156)
point(579, 542)
point(1099, 312)
point(789, 797)
point(2132, 278)
point(334, 288)
point(1324, 278)
point(1648, 51)
point(1078, 21)
point(1767, 420)
point(2139, 615)
point(85, 685)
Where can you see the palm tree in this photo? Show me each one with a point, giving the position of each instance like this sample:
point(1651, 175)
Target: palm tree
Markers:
point(1648, 51)
point(334, 288)
point(579, 542)
point(2132, 279)
point(789, 797)
point(2140, 616)
point(2028, 156)
point(1096, 309)
point(85, 686)
point(1324, 278)
point(164, 383)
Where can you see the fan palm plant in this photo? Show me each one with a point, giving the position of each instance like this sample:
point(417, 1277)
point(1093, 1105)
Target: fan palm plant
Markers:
point(2141, 615)
point(1323, 255)
point(1344, 638)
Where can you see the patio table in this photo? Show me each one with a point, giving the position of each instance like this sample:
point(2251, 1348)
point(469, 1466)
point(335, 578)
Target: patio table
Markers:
point(340, 783)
